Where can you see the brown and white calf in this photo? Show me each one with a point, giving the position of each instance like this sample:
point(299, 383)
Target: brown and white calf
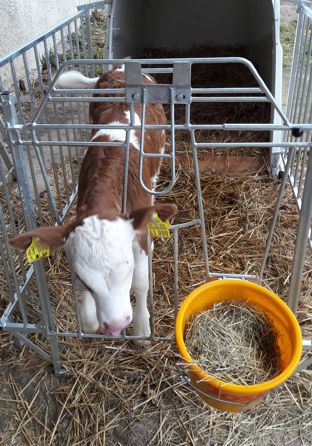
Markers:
point(108, 250)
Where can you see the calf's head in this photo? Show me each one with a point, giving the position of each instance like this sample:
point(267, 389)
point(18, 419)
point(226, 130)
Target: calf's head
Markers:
point(102, 257)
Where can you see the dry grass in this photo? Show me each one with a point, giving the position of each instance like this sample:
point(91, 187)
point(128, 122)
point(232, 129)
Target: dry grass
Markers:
point(116, 394)
point(234, 342)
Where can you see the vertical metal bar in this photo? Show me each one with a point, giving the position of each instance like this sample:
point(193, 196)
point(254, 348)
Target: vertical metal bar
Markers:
point(56, 56)
point(77, 39)
point(29, 84)
point(150, 281)
point(84, 51)
point(294, 67)
point(200, 202)
point(126, 161)
point(22, 121)
point(108, 50)
point(21, 302)
point(30, 220)
point(53, 208)
point(80, 119)
point(8, 201)
point(276, 212)
point(54, 164)
point(176, 270)
point(71, 111)
point(89, 38)
point(301, 241)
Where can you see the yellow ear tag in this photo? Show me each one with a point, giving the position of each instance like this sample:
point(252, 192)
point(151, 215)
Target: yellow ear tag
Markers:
point(37, 251)
point(158, 228)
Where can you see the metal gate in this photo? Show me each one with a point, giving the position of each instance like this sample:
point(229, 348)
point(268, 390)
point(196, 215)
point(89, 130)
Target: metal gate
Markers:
point(47, 129)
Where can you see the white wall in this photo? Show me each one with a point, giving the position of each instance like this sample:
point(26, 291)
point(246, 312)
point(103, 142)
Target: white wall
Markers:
point(23, 20)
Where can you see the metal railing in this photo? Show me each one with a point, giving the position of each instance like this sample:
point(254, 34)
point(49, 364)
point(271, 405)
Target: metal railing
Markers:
point(48, 136)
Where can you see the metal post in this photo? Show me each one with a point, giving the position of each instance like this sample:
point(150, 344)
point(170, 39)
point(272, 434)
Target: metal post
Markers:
point(7, 100)
point(302, 240)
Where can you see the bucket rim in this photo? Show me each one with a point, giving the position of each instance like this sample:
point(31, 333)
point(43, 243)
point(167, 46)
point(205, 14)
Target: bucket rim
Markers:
point(259, 388)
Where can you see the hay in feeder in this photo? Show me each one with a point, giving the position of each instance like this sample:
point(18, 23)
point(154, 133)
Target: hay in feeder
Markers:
point(234, 342)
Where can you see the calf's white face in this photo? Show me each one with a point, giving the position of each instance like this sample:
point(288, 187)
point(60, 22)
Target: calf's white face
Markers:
point(102, 257)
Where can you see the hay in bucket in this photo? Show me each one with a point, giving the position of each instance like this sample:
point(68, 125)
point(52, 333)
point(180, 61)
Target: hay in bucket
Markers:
point(234, 342)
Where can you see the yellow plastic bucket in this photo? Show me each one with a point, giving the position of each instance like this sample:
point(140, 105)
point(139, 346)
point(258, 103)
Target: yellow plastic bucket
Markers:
point(232, 397)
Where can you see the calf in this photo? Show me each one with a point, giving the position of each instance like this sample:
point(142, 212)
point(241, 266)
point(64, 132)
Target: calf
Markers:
point(108, 249)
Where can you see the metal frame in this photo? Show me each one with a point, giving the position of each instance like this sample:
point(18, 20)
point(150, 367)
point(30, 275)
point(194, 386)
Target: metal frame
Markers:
point(59, 139)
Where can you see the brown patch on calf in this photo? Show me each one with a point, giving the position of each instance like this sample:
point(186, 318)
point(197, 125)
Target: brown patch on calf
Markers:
point(101, 176)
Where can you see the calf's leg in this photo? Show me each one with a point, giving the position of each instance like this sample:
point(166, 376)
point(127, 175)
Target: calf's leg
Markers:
point(140, 287)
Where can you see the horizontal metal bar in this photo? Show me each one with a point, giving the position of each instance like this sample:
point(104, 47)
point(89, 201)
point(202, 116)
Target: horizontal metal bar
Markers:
point(186, 224)
point(84, 99)
point(224, 145)
point(157, 70)
point(307, 344)
point(227, 127)
point(233, 276)
point(89, 91)
point(226, 90)
point(19, 327)
point(156, 155)
point(165, 61)
point(109, 338)
point(227, 145)
point(304, 364)
point(229, 99)
point(11, 56)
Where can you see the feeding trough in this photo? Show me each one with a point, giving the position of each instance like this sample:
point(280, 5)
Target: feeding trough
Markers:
point(224, 395)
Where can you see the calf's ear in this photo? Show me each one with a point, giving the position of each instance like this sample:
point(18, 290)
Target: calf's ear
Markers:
point(53, 236)
point(143, 216)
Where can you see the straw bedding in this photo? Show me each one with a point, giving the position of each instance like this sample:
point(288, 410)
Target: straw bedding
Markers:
point(234, 342)
point(114, 393)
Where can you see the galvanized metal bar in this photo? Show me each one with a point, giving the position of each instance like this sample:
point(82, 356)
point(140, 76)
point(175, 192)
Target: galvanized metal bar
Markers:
point(29, 83)
point(187, 224)
point(3, 258)
point(24, 340)
point(72, 110)
point(40, 154)
point(301, 240)
point(11, 213)
point(89, 40)
point(22, 290)
point(30, 220)
point(307, 344)
point(233, 276)
point(176, 270)
point(231, 90)
point(200, 202)
point(302, 70)
point(146, 155)
point(88, 91)
point(276, 213)
point(126, 163)
point(226, 127)
point(109, 44)
point(217, 99)
point(304, 364)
